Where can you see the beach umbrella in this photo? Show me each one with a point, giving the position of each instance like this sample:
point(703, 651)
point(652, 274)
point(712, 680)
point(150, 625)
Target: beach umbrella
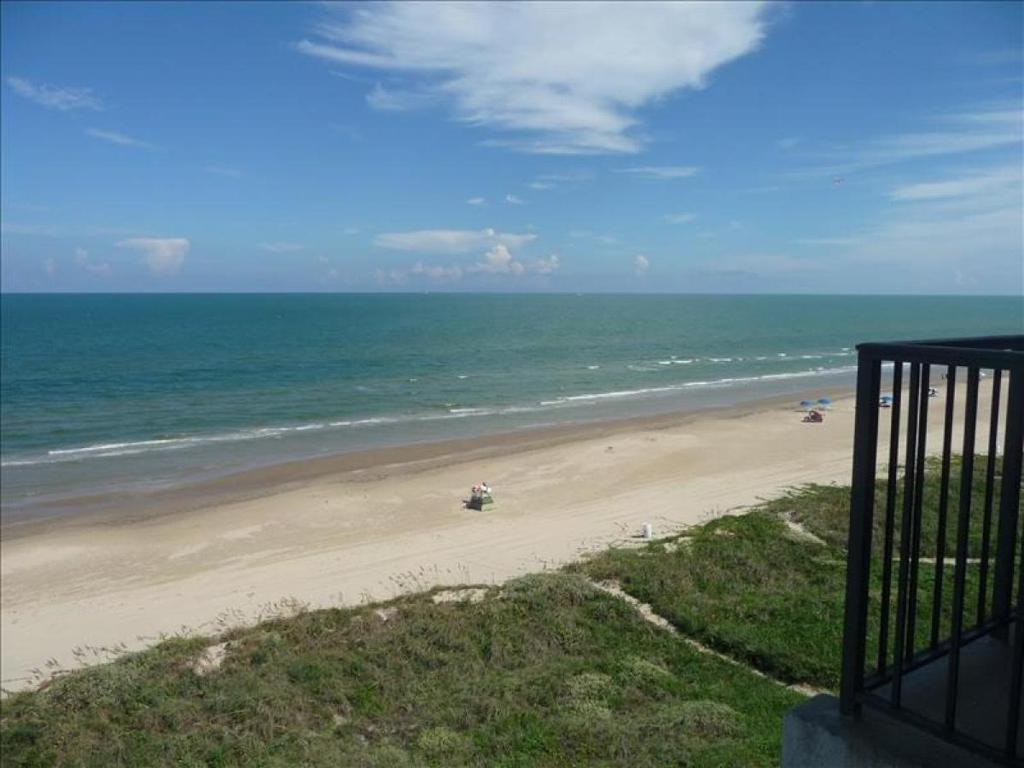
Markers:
point(824, 402)
point(806, 403)
point(886, 397)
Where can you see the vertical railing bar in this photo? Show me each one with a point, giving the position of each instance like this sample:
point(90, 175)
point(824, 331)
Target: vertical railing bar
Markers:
point(862, 499)
point(890, 514)
point(906, 527)
point(940, 545)
point(1009, 498)
point(915, 538)
point(1013, 702)
point(963, 530)
point(990, 480)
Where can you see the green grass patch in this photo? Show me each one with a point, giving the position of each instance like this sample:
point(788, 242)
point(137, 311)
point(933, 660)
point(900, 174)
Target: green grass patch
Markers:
point(547, 671)
point(754, 589)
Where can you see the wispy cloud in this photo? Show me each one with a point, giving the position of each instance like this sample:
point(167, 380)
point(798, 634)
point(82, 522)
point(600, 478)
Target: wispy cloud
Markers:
point(680, 218)
point(958, 133)
point(660, 172)
point(641, 264)
point(59, 97)
point(513, 200)
point(450, 241)
point(282, 247)
point(395, 100)
point(527, 68)
point(163, 255)
point(476, 201)
point(1004, 180)
point(552, 180)
point(116, 137)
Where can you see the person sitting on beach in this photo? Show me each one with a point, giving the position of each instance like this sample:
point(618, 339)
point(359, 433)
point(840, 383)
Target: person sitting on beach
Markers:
point(814, 417)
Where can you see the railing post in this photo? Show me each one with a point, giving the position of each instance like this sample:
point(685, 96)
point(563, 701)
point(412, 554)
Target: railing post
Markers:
point(1009, 501)
point(862, 499)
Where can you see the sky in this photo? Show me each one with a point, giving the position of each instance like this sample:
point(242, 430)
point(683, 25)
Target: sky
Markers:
point(685, 147)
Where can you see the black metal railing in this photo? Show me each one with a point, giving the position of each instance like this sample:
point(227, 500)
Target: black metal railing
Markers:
point(933, 633)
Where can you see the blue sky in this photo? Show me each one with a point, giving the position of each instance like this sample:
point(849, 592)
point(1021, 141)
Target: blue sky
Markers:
point(727, 147)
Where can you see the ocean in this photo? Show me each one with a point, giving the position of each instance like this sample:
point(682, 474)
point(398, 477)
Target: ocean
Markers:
point(106, 393)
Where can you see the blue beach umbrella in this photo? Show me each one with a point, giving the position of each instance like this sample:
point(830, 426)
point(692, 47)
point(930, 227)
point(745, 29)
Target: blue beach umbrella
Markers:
point(824, 402)
point(806, 404)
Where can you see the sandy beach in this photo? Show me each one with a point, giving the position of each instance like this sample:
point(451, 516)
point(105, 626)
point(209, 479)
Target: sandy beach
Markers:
point(366, 527)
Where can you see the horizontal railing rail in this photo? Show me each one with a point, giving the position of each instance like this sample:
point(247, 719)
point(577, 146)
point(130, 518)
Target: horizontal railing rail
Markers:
point(934, 550)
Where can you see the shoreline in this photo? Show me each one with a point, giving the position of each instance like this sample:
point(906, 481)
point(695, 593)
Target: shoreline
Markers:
point(125, 507)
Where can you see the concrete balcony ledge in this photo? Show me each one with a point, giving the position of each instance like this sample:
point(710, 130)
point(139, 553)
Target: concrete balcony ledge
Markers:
point(814, 735)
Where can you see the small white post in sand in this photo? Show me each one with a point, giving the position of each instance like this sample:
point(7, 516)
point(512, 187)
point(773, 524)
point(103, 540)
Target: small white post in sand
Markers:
point(648, 531)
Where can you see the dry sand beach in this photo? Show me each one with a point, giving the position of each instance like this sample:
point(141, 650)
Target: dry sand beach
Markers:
point(366, 527)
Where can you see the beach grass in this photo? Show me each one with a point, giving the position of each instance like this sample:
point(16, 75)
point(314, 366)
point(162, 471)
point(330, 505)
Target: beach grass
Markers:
point(768, 587)
point(546, 670)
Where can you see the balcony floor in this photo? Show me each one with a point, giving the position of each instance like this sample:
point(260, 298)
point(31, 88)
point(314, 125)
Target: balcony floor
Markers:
point(984, 689)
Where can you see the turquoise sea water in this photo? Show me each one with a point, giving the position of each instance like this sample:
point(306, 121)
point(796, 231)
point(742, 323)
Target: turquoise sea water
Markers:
point(120, 391)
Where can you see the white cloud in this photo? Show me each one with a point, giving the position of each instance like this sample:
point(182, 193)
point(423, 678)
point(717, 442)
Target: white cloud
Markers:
point(55, 96)
point(528, 68)
point(513, 200)
point(552, 180)
point(392, 100)
point(498, 261)
point(545, 266)
point(475, 201)
point(115, 137)
point(641, 264)
point(680, 218)
point(82, 259)
point(450, 241)
point(282, 247)
point(660, 172)
point(163, 255)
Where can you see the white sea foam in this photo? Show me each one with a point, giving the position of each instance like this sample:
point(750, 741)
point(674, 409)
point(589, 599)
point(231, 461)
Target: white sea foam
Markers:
point(130, 448)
